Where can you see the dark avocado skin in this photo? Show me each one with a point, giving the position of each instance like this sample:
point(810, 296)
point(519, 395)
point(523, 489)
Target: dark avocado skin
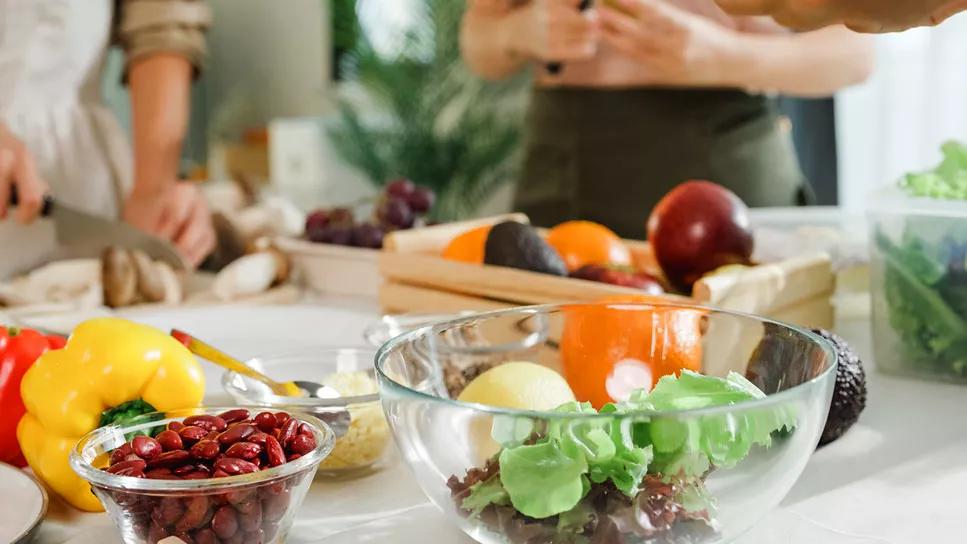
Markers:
point(517, 245)
point(849, 394)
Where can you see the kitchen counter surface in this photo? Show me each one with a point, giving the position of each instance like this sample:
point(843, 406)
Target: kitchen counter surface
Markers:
point(899, 476)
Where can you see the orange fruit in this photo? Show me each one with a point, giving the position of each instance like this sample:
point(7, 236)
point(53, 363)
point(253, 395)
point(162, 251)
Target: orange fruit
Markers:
point(585, 242)
point(469, 246)
point(609, 351)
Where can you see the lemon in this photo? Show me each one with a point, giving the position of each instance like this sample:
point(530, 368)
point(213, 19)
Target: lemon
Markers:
point(519, 385)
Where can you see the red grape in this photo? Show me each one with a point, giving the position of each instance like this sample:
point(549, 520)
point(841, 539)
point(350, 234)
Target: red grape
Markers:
point(400, 187)
point(368, 235)
point(421, 199)
point(396, 212)
point(316, 223)
point(341, 216)
point(338, 234)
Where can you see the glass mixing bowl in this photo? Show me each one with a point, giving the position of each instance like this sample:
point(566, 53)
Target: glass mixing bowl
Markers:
point(363, 442)
point(508, 476)
point(255, 507)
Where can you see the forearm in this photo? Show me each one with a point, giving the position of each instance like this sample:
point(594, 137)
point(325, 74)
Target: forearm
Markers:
point(810, 64)
point(484, 43)
point(160, 103)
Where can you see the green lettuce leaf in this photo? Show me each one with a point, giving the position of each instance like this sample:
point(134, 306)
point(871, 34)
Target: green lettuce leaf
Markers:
point(541, 480)
point(484, 494)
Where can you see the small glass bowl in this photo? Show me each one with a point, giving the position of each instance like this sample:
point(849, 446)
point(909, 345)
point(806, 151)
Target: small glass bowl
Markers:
point(263, 503)
point(363, 440)
point(391, 326)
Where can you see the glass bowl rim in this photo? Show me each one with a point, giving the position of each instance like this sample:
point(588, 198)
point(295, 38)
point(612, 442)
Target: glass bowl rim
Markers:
point(301, 402)
point(826, 374)
point(325, 440)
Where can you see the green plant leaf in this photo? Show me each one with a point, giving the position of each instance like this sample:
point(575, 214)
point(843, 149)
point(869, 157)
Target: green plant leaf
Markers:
point(541, 480)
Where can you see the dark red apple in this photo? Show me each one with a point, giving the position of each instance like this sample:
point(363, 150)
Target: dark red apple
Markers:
point(696, 228)
point(619, 276)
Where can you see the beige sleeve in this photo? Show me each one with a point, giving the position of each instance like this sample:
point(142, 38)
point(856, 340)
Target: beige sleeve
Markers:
point(146, 27)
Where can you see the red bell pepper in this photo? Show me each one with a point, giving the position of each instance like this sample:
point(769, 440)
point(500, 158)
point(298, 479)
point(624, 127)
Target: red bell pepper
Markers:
point(19, 348)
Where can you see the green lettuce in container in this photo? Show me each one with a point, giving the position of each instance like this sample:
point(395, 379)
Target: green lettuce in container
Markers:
point(919, 275)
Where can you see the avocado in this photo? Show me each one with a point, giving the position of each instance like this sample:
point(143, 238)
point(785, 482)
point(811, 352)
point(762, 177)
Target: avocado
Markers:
point(518, 245)
point(849, 394)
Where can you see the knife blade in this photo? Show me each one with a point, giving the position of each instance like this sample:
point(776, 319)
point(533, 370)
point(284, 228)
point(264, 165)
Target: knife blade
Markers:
point(88, 233)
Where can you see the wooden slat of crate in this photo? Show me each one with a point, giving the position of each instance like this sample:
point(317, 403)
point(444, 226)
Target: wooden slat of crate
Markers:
point(403, 298)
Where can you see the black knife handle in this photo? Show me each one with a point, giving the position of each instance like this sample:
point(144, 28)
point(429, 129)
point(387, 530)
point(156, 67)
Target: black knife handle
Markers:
point(555, 68)
point(45, 209)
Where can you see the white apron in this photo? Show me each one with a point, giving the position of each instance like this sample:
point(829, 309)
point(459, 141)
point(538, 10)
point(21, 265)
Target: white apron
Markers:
point(51, 58)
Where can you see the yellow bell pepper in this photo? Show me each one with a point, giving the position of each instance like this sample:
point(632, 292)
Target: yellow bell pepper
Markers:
point(109, 370)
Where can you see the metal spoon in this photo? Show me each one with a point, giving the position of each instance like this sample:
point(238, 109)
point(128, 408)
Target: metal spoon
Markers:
point(298, 388)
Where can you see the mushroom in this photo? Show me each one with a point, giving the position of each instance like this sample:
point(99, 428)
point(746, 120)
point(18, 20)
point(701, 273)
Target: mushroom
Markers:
point(173, 290)
point(119, 277)
point(150, 284)
point(251, 274)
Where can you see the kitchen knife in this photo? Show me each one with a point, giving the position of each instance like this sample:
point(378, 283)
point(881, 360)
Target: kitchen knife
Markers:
point(90, 233)
point(555, 68)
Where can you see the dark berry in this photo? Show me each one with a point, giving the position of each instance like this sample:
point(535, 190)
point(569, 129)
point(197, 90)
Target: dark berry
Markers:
point(396, 212)
point(341, 216)
point(421, 200)
point(316, 223)
point(368, 235)
point(401, 188)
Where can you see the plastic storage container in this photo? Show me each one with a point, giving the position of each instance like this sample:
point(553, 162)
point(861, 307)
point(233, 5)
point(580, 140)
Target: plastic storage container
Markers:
point(918, 248)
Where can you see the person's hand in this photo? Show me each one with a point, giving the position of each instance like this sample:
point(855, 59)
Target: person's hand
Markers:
point(860, 15)
point(180, 215)
point(17, 169)
point(552, 30)
point(673, 46)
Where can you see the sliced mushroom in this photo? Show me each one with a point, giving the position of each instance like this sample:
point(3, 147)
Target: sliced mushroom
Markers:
point(150, 285)
point(248, 275)
point(174, 292)
point(119, 277)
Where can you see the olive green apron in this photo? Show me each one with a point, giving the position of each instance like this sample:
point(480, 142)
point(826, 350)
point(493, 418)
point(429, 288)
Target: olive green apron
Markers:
point(610, 155)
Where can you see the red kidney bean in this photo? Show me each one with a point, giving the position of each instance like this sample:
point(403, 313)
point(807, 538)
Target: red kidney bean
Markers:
point(160, 474)
point(170, 459)
point(138, 465)
point(156, 533)
point(225, 524)
point(247, 507)
point(232, 416)
point(196, 475)
point(175, 426)
point(168, 511)
point(238, 497)
point(252, 519)
point(244, 450)
point(205, 536)
point(120, 453)
point(274, 507)
point(219, 474)
point(304, 428)
point(192, 434)
point(273, 489)
point(183, 469)
point(132, 457)
point(257, 438)
point(273, 451)
point(302, 444)
point(196, 510)
point(294, 456)
point(205, 449)
point(281, 418)
point(288, 430)
point(212, 435)
point(265, 421)
point(232, 465)
point(133, 472)
point(146, 447)
point(170, 440)
point(185, 537)
point(235, 539)
point(236, 433)
point(255, 537)
point(209, 423)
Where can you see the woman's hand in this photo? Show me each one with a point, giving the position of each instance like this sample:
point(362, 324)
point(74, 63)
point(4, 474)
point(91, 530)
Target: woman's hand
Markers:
point(17, 169)
point(180, 215)
point(552, 30)
point(674, 46)
point(859, 15)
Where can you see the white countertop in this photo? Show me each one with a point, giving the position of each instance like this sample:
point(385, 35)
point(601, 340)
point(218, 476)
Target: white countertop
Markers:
point(899, 476)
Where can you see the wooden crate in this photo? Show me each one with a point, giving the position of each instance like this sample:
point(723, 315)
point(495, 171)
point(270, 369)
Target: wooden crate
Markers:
point(332, 269)
point(417, 279)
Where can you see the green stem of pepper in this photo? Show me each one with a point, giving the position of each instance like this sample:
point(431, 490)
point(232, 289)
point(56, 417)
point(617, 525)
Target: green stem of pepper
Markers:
point(123, 413)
